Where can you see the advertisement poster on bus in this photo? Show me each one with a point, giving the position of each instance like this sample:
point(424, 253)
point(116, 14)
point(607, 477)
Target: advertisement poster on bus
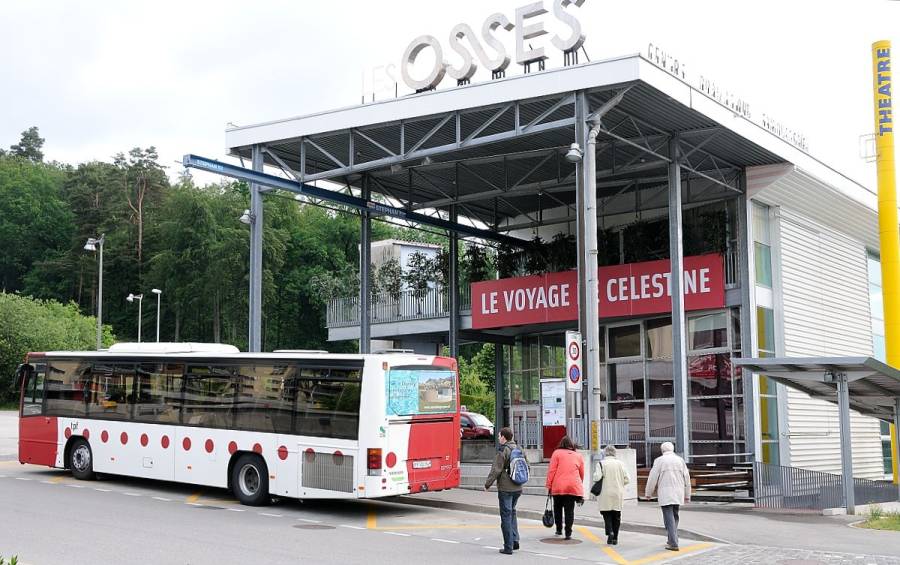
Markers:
point(418, 391)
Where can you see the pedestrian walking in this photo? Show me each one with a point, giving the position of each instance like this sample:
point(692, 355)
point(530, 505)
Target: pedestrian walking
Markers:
point(508, 491)
point(671, 482)
point(612, 494)
point(565, 478)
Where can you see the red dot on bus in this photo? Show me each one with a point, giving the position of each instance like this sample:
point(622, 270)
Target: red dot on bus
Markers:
point(232, 447)
point(209, 446)
point(67, 433)
point(144, 440)
point(309, 455)
point(186, 444)
point(164, 441)
point(104, 436)
point(390, 460)
point(257, 448)
point(338, 458)
point(282, 453)
point(86, 433)
point(123, 438)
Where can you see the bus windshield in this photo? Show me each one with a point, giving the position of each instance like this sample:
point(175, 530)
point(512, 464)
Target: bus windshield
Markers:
point(415, 390)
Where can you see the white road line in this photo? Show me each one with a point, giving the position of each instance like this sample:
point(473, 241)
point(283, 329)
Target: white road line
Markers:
point(132, 494)
point(193, 503)
point(75, 486)
point(401, 534)
point(101, 489)
point(444, 540)
point(351, 527)
point(2, 476)
point(235, 509)
point(490, 547)
point(48, 482)
point(161, 499)
point(310, 521)
point(22, 479)
point(551, 556)
point(271, 515)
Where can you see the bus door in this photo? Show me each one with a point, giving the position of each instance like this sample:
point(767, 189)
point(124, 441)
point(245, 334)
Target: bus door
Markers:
point(37, 433)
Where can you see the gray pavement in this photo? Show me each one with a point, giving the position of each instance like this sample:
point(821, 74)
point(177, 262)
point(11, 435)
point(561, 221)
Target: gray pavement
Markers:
point(9, 435)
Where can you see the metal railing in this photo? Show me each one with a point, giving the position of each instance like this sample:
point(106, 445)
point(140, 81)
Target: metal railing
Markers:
point(408, 305)
point(577, 431)
point(732, 268)
point(613, 432)
point(802, 489)
point(528, 433)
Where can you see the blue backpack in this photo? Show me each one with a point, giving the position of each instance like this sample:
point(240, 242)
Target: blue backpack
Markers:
point(517, 469)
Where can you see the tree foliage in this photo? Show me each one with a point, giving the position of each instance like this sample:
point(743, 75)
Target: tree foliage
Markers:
point(28, 324)
point(29, 147)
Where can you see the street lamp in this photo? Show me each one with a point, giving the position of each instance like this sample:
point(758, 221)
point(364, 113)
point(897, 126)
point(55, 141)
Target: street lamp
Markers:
point(574, 154)
point(140, 299)
point(93, 244)
point(158, 294)
point(247, 218)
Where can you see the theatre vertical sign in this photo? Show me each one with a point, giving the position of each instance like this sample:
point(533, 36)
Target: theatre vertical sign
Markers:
point(635, 289)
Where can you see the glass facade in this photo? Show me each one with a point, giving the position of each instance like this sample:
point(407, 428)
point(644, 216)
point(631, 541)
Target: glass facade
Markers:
point(768, 393)
point(876, 309)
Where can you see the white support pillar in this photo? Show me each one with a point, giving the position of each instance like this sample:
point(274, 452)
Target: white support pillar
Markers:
point(843, 398)
point(256, 242)
point(751, 432)
point(679, 350)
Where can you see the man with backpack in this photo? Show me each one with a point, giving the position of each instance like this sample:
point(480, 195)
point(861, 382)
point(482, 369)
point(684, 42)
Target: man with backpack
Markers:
point(510, 471)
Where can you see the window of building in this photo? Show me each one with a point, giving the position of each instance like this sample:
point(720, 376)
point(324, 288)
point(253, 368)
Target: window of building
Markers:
point(707, 331)
point(625, 341)
point(762, 245)
point(768, 392)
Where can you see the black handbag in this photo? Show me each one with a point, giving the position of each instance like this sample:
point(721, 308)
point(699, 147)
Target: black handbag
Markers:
point(547, 518)
point(597, 487)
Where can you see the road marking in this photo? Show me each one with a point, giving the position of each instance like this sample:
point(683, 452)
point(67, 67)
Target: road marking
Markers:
point(371, 520)
point(490, 547)
point(193, 504)
point(271, 515)
point(452, 527)
point(669, 554)
point(161, 499)
point(194, 497)
point(75, 486)
point(308, 520)
point(401, 534)
point(551, 556)
point(22, 479)
point(102, 489)
point(132, 494)
point(235, 509)
point(442, 540)
point(351, 527)
point(45, 482)
point(59, 479)
point(613, 554)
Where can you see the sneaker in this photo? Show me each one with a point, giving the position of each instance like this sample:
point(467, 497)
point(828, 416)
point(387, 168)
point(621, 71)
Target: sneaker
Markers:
point(506, 551)
point(672, 547)
point(515, 545)
point(609, 540)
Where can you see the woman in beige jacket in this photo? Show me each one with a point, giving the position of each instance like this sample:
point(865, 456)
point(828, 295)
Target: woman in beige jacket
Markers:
point(612, 495)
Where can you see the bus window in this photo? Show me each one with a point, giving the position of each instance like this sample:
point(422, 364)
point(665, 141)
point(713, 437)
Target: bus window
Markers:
point(262, 404)
point(327, 403)
point(67, 381)
point(209, 393)
point(420, 390)
point(158, 392)
point(109, 394)
point(33, 390)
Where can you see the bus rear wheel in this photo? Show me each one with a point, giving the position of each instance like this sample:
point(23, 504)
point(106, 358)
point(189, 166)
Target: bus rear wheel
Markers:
point(250, 480)
point(81, 460)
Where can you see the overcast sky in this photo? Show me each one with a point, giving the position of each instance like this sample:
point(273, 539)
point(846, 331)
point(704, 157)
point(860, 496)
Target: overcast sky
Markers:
point(101, 77)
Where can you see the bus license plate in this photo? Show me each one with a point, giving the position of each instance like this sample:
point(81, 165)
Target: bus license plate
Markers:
point(421, 464)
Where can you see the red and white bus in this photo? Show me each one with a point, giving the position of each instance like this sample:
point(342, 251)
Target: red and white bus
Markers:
point(287, 424)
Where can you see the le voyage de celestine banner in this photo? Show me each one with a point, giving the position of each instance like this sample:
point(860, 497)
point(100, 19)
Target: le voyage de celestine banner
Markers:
point(633, 289)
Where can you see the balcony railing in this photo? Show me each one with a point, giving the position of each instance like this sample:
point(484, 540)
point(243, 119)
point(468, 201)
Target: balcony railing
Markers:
point(408, 305)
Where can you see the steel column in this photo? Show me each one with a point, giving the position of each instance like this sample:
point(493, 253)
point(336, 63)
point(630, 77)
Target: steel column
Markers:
point(365, 265)
point(256, 241)
point(453, 298)
point(743, 251)
point(100, 297)
point(676, 282)
point(896, 439)
point(843, 398)
point(499, 387)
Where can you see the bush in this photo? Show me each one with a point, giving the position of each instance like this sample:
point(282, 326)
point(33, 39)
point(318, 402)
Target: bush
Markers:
point(27, 325)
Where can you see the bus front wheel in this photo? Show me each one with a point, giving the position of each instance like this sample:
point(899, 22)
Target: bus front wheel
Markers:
point(250, 480)
point(81, 460)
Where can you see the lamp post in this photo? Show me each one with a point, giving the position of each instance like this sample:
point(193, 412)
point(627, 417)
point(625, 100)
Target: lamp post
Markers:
point(93, 244)
point(158, 294)
point(140, 299)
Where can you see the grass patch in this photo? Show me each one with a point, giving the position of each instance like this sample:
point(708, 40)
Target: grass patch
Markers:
point(9, 406)
point(878, 519)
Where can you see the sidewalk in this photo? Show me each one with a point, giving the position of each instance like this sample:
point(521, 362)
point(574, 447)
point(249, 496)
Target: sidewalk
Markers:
point(729, 523)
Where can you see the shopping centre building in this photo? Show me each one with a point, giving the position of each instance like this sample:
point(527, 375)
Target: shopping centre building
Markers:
point(779, 252)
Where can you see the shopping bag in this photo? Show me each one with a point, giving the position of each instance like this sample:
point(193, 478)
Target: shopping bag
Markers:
point(547, 519)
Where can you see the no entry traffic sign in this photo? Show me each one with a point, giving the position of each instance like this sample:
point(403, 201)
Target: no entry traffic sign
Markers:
point(573, 361)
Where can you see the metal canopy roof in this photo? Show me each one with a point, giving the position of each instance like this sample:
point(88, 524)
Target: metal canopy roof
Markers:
point(495, 149)
point(874, 386)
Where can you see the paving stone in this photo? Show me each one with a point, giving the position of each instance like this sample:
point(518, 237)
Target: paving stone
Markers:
point(758, 555)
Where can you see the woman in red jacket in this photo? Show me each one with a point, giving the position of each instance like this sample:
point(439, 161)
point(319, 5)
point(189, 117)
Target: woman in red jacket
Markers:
point(564, 481)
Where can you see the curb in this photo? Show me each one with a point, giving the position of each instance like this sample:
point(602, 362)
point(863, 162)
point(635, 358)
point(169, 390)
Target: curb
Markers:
point(535, 515)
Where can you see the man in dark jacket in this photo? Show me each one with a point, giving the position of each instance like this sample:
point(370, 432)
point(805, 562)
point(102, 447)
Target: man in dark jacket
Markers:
point(508, 492)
